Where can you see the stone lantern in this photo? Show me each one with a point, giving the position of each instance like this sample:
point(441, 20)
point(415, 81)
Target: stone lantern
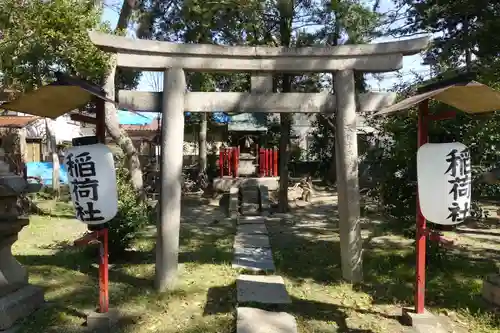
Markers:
point(17, 297)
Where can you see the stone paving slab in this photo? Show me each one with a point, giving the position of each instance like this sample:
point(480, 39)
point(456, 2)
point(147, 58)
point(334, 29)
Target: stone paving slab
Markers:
point(251, 320)
point(243, 240)
point(266, 289)
point(264, 198)
point(252, 229)
point(251, 220)
point(255, 259)
point(250, 209)
point(233, 201)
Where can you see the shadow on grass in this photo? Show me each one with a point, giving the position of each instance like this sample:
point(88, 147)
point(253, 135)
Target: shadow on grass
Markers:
point(52, 208)
point(323, 312)
point(220, 299)
point(453, 282)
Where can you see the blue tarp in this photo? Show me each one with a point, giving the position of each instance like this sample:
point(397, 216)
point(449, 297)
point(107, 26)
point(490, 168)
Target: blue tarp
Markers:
point(137, 118)
point(221, 117)
point(218, 117)
point(44, 171)
point(141, 118)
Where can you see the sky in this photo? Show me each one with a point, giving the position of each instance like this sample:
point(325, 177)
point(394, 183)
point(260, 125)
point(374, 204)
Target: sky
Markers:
point(410, 63)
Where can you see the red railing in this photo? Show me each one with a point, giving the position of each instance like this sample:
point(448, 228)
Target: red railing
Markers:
point(229, 159)
point(268, 162)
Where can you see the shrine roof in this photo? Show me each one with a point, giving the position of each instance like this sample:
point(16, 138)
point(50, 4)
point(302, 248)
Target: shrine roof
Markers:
point(16, 121)
point(153, 126)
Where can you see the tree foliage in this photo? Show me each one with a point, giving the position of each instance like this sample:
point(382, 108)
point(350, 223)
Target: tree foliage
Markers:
point(39, 38)
point(462, 46)
point(465, 29)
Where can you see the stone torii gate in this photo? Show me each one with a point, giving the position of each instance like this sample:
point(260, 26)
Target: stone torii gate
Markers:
point(261, 62)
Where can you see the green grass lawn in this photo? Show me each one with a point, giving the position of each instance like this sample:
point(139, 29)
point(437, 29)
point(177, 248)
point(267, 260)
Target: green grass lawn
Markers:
point(306, 252)
point(203, 302)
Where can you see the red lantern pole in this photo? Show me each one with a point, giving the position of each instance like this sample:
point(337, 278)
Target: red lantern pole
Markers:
point(103, 274)
point(221, 162)
point(103, 263)
point(423, 133)
point(275, 169)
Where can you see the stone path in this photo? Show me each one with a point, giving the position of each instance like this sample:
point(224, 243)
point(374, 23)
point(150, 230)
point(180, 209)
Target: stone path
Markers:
point(254, 259)
point(252, 252)
point(265, 289)
point(251, 320)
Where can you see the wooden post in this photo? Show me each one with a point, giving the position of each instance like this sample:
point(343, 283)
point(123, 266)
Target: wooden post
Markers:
point(275, 162)
point(100, 121)
point(229, 162)
point(270, 162)
point(261, 162)
point(236, 161)
point(221, 162)
point(257, 159)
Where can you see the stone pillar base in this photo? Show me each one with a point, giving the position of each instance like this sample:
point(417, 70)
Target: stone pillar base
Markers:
point(103, 322)
point(423, 322)
point(19, 304)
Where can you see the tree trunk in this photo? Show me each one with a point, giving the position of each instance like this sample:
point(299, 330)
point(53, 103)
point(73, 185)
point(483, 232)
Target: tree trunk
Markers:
point(202, 147)
point(23, 150)
point(111, 118)
point(52, 150)
point(286, 11)
point(120, 137)
point(284, 151)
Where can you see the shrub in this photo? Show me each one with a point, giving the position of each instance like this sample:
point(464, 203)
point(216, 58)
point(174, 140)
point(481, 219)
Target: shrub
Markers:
point(133, 215)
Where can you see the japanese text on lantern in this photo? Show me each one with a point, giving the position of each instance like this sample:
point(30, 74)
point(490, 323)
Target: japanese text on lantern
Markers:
point(459, 178)
point(85, 186)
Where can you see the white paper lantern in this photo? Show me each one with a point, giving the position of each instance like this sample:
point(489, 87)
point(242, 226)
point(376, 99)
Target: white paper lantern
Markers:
point(92, 183)
point(444, 182)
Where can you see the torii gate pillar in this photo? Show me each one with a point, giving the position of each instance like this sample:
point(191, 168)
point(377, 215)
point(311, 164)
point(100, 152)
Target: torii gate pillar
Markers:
point(346, 157)
point(172, 136)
